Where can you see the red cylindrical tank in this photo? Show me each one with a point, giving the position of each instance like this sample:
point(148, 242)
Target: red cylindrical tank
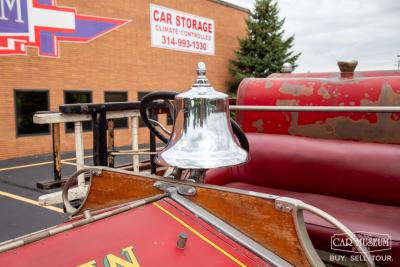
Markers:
point(371, 88)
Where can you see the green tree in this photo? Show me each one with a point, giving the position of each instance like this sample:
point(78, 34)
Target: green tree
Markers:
point(264, 50)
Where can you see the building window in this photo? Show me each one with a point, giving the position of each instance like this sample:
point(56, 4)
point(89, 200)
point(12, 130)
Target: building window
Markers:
point(28, 102)
point(117, 97)
point(74, 97)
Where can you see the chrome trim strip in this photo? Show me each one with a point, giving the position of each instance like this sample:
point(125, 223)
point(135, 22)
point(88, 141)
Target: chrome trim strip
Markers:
point(18, 242)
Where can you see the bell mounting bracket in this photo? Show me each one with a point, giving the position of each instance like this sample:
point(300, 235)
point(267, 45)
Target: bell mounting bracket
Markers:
point(185, 190)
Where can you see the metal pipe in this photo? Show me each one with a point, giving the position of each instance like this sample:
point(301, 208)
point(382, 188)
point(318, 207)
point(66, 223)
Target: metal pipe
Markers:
point(143, 150)
point(371, 109)
point(153, 145)
point(99, 138)
point(120, 153)
point(18, 242)
point(79, 151)
point(135, 141)
point(110, 142)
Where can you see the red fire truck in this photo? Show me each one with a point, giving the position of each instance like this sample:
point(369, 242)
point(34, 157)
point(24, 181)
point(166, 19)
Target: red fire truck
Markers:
point(310, 177)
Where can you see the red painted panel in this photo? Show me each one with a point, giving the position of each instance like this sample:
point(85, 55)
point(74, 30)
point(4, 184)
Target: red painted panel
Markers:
point(151, 230)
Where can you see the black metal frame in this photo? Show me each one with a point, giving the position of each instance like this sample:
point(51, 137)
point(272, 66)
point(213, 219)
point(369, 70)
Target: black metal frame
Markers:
point(78, 91)
point(141, 123)
point(99, 123)
point(127, 99)
point(100, 149)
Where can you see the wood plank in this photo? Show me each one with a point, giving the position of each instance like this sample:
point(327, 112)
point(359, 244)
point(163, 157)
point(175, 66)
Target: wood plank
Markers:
point(114, 188)
point(257, 218)
point(57, 117)
point(56, 138)
point(79, 151)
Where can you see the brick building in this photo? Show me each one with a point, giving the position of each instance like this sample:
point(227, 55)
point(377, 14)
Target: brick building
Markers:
point(66, 51)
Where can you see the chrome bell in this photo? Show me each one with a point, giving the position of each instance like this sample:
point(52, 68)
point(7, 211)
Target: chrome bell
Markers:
point(202, 136)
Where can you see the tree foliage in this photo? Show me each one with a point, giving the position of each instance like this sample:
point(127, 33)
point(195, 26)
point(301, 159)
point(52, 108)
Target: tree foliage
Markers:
point(264, 50)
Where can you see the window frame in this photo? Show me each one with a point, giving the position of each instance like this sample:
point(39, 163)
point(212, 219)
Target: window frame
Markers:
point(116, 92)
point(15, 91)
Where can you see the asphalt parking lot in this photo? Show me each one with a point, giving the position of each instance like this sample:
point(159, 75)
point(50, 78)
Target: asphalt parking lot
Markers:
point(20, 212)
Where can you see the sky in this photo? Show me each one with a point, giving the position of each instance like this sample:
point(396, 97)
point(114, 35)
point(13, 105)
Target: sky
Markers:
point(330, 30)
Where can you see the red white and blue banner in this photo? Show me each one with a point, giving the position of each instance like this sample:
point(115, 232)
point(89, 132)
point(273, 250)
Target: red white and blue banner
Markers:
point(44, 25)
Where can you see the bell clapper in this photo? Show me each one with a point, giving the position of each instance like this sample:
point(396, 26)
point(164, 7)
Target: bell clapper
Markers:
point(197, 175)
point(191, 175)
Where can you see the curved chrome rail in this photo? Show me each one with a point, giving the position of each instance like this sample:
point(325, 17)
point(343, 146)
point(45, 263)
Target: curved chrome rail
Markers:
point(162, 127)
point(296, 208)
point(67, 204)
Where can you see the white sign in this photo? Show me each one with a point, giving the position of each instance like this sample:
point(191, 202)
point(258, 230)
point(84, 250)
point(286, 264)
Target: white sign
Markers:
point(172, 29)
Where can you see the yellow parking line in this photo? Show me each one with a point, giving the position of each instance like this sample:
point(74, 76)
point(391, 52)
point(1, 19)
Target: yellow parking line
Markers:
point(85, 157)
point(30, 201)
point(25, 166)
point(73, 164)
point(35, 164)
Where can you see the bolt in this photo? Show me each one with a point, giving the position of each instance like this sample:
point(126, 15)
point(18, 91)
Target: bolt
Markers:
point(87, 214)
point(288, 209)
point(191, 191)
point(182, 238)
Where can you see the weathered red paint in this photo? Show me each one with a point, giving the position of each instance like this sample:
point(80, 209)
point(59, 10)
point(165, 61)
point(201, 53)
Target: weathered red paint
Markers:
point(149, 230)
point(337, 75)
point(323, 89)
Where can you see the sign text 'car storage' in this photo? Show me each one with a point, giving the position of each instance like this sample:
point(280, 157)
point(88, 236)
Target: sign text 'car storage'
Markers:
point(172, 29)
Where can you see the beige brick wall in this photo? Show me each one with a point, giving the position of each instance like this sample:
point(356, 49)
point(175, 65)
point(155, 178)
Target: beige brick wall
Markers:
point(122, 60)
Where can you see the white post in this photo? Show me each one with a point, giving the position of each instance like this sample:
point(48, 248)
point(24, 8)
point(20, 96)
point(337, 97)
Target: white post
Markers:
point(135, 141)
point(79, 150)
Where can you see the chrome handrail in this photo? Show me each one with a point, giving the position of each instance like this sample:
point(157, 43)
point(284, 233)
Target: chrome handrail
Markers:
point(67, 204)
point(296, 208)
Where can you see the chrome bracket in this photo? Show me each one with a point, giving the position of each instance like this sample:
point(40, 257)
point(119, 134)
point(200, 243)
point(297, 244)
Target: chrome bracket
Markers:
point(283, 206)
point(185, 190)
